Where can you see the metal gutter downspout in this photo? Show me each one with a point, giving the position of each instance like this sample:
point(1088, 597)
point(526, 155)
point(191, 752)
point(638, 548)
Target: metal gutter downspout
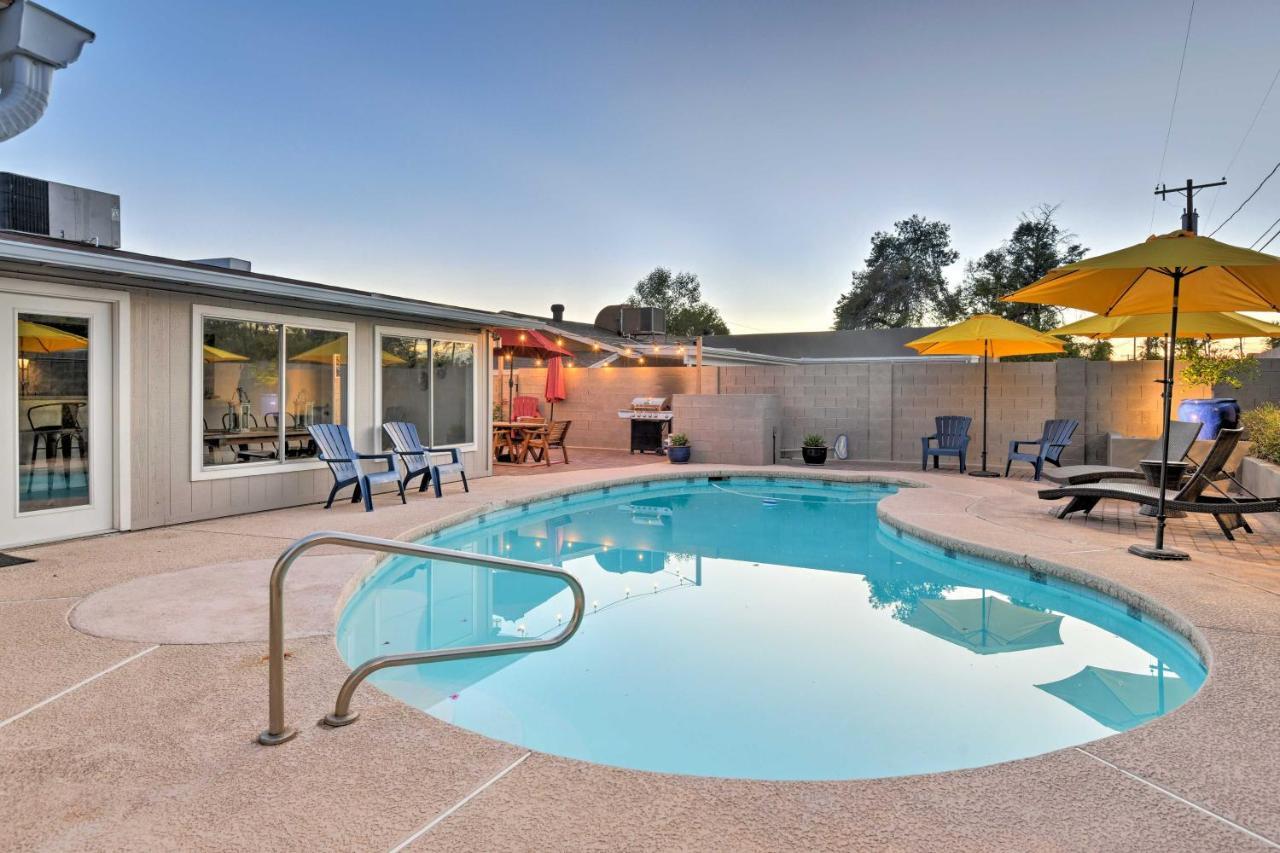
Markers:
point(34, 43)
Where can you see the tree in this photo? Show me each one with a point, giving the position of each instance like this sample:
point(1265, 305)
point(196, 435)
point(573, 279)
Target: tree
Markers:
point(680, 298)
point(1038, 244)
point(902, 284)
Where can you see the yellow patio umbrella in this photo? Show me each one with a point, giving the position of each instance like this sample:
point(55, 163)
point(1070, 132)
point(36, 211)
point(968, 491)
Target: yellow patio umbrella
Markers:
point(1208, 325)
point(37, 337)
point(990, 337)
point(1166, 273)
point(214, 355)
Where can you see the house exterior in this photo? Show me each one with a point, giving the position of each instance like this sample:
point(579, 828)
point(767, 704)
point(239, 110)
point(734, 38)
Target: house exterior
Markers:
point(153, 391)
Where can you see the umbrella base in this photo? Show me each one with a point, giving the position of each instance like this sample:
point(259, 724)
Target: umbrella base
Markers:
point(1158, 553)
point(984, 473)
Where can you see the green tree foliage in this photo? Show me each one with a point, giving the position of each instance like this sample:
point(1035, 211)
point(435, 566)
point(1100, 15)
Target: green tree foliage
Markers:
point(902, 284)
point(1088, 350)
point(680, 298)
point(1038, 244)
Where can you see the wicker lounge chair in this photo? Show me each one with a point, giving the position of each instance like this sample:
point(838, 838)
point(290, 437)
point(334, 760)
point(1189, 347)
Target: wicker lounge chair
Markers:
point(417, 458)
point(951, 432)
point(1228, 512)
point(337, 451)
point(1049, 446)
point(1182, 436)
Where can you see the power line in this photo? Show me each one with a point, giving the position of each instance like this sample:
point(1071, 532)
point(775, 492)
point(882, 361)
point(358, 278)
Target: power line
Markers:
point(1247, 200)
point(1266, 95)
point(1265, 233)
point(1173, 108)
point(1268, 243)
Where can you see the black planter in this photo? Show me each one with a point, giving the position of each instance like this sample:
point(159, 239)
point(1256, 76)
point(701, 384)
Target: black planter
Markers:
point(814, 455)
point(679, 455)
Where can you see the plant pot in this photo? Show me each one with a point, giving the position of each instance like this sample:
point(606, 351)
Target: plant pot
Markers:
point(679, 455)
point(814, 455)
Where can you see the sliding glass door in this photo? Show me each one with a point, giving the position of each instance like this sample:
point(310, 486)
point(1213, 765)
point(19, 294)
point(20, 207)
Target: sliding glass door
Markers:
point(56, 477)
point(430, 382)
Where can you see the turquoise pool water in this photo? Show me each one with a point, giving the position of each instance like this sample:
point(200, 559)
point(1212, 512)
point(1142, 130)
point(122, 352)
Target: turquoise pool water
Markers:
point(761, 628)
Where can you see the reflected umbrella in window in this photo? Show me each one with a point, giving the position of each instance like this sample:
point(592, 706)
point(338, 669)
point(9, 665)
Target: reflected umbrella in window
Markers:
point(987, 625)
point(38, 338)
point(214, 355)
point(337, 348)
point(1121, 700)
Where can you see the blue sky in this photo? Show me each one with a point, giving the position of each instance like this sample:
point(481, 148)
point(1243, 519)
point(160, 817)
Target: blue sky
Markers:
point(509, 156)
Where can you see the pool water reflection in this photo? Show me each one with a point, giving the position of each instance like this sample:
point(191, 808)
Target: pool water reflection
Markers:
point(760, 629)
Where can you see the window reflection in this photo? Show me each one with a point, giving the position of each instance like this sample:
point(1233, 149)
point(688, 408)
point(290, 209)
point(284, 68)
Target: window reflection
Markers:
point(53, 412)
point(454, 393)
point(316, 383)
point(406, 383)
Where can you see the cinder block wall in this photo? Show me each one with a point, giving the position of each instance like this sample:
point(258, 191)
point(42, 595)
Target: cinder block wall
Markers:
point(737, 429)
point(885, 407)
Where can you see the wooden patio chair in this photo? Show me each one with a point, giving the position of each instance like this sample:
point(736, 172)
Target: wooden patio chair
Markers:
point(1055, 438)
point(951, 432)
point(541, 442)
point(337, 451)
point(1229, 512)
point(525, 407)
point(417, 458)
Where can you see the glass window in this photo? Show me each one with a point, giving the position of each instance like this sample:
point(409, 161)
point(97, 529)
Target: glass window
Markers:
point(241, 385)
point(254, 412)
point(53, 412)
point(406, 383)
point(316, 384)
point(454, 393)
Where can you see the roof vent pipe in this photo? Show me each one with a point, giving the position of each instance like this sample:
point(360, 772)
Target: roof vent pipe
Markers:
point(34, 43)
point(557, 313)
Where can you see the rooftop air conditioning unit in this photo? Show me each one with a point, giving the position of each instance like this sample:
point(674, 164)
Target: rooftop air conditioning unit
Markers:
point(58, 210)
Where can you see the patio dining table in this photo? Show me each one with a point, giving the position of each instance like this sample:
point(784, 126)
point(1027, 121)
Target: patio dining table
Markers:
point(240, 440)
point(518, 430)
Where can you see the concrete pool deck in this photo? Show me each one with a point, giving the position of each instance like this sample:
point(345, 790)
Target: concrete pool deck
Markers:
point(135, 729)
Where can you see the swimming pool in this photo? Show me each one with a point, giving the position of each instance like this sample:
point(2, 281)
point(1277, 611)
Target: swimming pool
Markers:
point(761, 628)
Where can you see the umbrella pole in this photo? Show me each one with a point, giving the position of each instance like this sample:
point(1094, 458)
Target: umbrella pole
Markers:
point(511, 386)
point(1159, 552)
point(986, 345)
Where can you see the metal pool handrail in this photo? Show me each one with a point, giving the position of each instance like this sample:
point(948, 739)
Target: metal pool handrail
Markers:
point(277, 732)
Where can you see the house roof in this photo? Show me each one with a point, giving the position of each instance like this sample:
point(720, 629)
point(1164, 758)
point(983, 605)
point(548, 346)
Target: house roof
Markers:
point(47, 258)
point(841, 344)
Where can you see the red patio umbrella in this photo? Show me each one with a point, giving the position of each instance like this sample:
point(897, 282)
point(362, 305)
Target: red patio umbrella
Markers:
point(555, 385)
point(528, 344)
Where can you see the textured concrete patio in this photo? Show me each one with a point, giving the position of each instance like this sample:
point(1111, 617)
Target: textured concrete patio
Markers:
point(135, 686)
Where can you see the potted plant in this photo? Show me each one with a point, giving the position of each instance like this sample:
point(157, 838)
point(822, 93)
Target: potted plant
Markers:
point(678, 449)
point(1204, 367)
point(814, 449)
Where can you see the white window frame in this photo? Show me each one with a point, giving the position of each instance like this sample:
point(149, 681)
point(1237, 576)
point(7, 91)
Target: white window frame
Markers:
point(199, 313)
point(476, 341)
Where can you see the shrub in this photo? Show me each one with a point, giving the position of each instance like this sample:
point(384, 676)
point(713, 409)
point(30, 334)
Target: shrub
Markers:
point(1262, 426)
point(1209, 369)
point(814, 440)
point(679, 439)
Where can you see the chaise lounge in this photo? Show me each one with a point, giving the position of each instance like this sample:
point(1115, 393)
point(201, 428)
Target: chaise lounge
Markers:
point(1182, 436)
point(1227, 511)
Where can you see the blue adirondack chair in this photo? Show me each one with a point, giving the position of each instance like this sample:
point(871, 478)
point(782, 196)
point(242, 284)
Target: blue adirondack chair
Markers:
point(952, 435)
point(337, 451)
point(1049, 446)
point(417, 458)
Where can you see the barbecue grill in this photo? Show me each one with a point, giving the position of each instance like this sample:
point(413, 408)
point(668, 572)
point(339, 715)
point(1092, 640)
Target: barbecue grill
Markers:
point(650, 417)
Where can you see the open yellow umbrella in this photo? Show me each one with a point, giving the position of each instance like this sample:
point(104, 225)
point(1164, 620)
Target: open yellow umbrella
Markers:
point(214, 355)
point(37, 337)
point(1162, 275)
point(990, 337)
point(1207, 325)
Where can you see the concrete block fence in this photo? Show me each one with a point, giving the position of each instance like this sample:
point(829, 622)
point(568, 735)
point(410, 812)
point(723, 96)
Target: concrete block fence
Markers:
point(884, 407)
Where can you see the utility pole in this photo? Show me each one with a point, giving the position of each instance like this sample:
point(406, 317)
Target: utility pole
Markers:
point(1190, 219)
